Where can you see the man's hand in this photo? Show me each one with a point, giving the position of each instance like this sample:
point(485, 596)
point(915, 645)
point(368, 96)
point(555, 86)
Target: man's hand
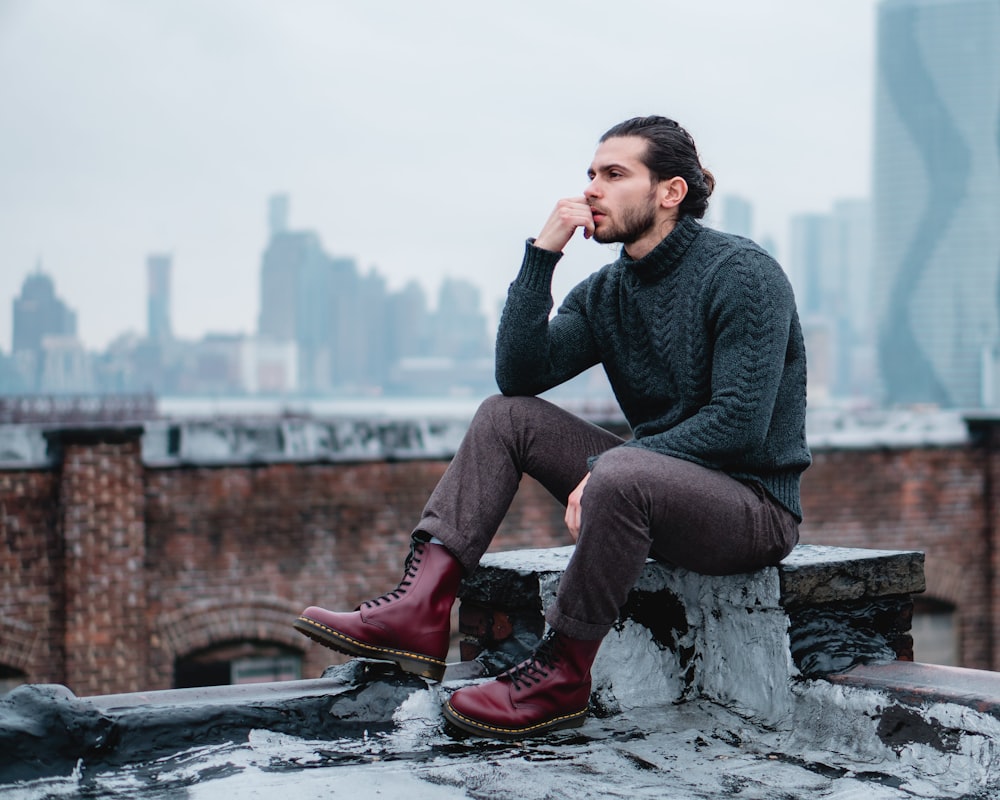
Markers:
point(569, 214)
point(573, 509)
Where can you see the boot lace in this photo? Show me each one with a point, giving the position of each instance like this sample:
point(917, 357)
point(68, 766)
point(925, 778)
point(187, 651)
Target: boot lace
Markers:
point(409, 571)
point(534, 669)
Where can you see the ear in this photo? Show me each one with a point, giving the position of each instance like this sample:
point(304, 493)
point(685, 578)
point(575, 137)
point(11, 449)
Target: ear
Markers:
point(672, 192)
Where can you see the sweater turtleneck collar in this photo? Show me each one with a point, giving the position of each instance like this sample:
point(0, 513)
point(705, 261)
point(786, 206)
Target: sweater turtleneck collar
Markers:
point(665, 256)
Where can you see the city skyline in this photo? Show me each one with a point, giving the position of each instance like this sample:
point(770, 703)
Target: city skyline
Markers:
point(324, 329)
point(428, 145)
point(157, 299)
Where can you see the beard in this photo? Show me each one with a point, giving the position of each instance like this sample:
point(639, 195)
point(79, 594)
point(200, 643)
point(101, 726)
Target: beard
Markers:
point(635, 222)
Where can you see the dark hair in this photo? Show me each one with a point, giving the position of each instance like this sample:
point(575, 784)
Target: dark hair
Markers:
point(670, 153)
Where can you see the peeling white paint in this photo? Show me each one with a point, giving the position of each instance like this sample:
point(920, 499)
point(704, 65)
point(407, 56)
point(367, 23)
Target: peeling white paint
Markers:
point(632, 671)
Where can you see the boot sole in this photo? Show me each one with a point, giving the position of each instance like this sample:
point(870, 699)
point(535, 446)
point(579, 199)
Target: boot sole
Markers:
point(477, 728)
point(414, 663)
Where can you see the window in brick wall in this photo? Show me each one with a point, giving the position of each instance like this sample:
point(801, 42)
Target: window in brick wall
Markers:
point(935, 632)
point(10, 678)
point(237, 662)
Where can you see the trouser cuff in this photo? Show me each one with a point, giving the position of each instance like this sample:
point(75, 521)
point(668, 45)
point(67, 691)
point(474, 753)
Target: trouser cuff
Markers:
point(457, 544)
point(574, 628)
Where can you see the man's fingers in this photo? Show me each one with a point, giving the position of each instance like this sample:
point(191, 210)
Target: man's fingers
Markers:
point(569, 214)
point(572, 516)
point(574, 508)
point(572, 522)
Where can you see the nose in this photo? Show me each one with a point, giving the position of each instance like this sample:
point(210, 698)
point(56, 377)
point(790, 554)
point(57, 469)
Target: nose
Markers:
point(592, 190)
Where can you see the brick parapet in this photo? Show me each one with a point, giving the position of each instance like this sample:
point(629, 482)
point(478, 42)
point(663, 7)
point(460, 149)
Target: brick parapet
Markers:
point(931, 499)
point(985, 432)
point(31, 619)
point(102, 524)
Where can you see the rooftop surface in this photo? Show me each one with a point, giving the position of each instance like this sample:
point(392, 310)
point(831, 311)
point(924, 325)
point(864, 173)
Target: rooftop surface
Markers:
point(680, 751)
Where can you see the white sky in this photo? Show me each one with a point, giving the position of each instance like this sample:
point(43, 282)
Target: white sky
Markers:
point(427, 139)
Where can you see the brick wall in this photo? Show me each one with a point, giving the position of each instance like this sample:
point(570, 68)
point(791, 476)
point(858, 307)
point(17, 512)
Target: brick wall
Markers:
point(983, 625)
point(250, 547)
point(931, 499)
point(101, 519)
point(113, 569)
point(31, 618)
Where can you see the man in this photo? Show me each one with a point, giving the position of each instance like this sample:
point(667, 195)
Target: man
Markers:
point(698, 334)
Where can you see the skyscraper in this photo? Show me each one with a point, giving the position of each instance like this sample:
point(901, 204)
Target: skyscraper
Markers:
point(937, 199)
point(458, 326)
point(314, 300)
point(830, 266)
point(277, 214)
point(737, 215)
point(38, 313)
point(158, 297)
point(295, 298)
point(44, 325)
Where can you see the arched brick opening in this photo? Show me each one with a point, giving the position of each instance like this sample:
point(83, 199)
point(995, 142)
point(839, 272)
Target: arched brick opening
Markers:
point(945, 580)
point(938, 617)
point(17, 640)
point(204, 623)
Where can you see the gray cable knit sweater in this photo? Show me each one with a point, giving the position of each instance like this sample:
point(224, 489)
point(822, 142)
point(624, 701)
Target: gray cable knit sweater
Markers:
point(701, 343)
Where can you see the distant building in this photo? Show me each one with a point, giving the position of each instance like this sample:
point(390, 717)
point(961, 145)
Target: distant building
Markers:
point(44, 327)
point(817, 332)
point(299, 283)
point(737, 216)
point(158, 268)
point(38, 313)
point(458, 325)
point(937, 200)
point(268, 367)
point(66, 367)
point(406, 323)
point(372, 336)
point(354, 336)
point(810, 263)
point(234, 365)
point(830, 268)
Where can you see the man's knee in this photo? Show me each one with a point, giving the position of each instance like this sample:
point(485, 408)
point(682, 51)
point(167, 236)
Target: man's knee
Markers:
point(516, 411)
point(500, 404)
point(618, 467)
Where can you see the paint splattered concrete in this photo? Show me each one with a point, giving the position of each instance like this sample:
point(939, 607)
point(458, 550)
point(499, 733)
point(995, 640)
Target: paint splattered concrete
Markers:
point(686, 751)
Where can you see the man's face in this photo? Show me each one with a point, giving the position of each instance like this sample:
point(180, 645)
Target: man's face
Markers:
point(621, 194)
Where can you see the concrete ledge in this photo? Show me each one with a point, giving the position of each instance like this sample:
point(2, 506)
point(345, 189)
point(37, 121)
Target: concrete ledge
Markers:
point(738, 640)
point(922, 685)
point(47, 730)
point(814, 574)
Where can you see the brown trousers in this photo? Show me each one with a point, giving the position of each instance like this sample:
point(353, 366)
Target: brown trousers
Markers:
point(637, 504)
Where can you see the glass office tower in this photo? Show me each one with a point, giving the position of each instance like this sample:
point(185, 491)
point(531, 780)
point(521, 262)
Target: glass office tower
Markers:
point(937, 200)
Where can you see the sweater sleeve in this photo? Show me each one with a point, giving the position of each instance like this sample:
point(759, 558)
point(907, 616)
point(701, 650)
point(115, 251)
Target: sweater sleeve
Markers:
point(750, 314)
point(534, 353)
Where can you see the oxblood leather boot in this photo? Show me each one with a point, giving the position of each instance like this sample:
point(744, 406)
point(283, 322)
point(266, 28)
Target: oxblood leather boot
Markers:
point(548, 691)
point(410, 625)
